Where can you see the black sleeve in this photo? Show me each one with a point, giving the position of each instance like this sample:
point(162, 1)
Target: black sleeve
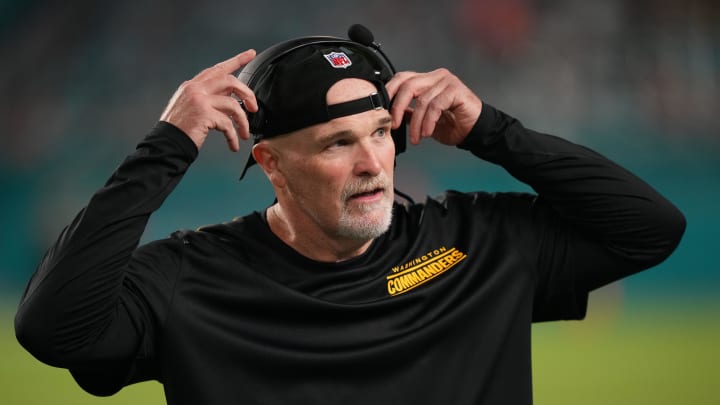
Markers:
point(86, 308)
point(608, 223)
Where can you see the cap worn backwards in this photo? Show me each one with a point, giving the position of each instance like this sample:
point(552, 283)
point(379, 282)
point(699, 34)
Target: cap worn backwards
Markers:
point(292, 95)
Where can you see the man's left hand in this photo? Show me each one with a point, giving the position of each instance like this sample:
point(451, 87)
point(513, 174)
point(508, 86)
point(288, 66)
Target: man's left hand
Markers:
point(437, 104)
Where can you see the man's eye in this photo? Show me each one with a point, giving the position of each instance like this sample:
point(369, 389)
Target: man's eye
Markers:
point(381, 132)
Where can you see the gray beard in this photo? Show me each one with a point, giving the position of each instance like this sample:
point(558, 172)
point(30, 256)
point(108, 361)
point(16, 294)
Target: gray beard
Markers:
point(355, 228)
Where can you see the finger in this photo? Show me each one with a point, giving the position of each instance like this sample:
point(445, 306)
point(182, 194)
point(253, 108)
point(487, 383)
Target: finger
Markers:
point(224, 124)
point(404, 96)
point(228, 85)
point(408, 116)
point(432, 101)
point(411, 85)
point(398, 104)
point(396, 81)
point(433, 114)
point(230, 107)
point(243, 125)
point(430, 106)
point(422, 89)
point(228, 66)
point(413, 136)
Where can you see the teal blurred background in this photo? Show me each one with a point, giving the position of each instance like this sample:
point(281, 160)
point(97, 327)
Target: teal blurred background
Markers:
point(83, 81)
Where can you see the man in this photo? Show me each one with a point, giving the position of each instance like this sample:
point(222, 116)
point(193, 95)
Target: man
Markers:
point(335, 293)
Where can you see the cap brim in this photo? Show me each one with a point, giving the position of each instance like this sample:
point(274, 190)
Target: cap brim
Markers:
point(250, 162)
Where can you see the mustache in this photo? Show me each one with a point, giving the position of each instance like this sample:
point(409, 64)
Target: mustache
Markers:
point(365, 186)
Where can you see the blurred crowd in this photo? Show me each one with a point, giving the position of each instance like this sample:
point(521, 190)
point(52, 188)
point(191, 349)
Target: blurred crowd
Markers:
point(78, 71)
point(71, 66)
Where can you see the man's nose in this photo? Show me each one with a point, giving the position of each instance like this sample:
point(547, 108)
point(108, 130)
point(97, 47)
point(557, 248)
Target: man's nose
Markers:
point(367, 159)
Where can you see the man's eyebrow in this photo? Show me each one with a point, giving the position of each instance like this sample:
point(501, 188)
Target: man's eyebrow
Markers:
point(334, 136)
point(331, 137)
point(385, 120)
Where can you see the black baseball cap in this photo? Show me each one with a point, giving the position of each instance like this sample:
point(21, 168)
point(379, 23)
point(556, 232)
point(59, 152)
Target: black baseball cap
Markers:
point(291, 79)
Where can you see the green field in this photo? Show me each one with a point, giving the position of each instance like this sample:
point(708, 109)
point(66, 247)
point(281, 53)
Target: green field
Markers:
point(647, 356)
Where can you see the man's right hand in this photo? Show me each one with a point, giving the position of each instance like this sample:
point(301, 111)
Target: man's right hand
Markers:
point(205, 102)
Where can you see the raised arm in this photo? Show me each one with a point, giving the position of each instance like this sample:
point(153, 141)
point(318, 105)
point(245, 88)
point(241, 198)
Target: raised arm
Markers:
point(87, 303)
point(614, 208)
point(625, 224)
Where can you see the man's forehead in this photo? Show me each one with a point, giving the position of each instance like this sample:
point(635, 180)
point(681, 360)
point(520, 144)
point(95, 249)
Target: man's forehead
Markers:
point(374, 118)
point(349, 127)
point(337, 127)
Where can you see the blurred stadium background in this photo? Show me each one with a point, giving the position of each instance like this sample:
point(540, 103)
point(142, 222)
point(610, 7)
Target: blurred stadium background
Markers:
point(83, 81)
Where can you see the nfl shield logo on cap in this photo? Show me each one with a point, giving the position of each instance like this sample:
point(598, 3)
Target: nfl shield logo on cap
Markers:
point(338, 59)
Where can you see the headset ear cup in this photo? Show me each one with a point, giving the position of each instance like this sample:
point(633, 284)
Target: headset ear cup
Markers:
point(256, 119)
point(399, 136)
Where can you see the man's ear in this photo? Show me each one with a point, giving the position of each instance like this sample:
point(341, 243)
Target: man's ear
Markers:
point(268, 158)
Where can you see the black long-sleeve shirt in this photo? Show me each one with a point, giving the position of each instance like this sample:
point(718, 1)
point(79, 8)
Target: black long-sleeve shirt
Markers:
point(437, 310)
